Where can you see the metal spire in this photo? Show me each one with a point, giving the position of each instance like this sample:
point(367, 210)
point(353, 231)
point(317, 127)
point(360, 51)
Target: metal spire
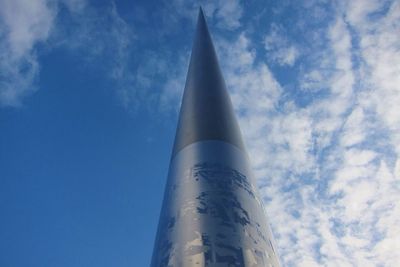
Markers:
point(206, 111)
point(212, 214)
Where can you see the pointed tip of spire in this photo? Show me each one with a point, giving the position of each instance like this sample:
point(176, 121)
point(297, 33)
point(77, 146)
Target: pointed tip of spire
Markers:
point(201, 20)
point(201, 13)
point(206, 110)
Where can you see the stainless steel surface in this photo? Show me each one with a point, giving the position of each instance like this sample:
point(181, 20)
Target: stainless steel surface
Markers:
point(206, 111)
point(212, 214)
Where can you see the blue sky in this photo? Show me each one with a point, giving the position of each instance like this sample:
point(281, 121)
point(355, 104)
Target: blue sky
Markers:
point(89, 97)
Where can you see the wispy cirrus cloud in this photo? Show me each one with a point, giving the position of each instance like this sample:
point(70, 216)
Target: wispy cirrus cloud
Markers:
point(335, 206)
point(328, 166)
point(23, 26)
point(105, 43)
point(98, 34)
point(278, 47)
point(328, 169)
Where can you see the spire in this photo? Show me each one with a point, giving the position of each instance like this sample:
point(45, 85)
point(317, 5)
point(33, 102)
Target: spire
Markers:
point(212, 213)
point(206, 111)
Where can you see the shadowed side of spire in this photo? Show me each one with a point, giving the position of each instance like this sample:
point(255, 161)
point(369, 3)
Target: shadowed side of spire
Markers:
point(206, 111)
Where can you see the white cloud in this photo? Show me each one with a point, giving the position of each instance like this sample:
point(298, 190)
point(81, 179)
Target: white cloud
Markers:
point(27, 24)
point(23, 26)
point(325, 171)
point(328, 170)
point(279, 48)
point(229, 13)
point(255, 94)
point(172, 90)
point(75, 6)
point(354, 130)
point(380, 50)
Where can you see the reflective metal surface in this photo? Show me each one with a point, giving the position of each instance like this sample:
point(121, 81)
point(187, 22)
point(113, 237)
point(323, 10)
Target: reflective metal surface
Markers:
point(212, 214)
point(206, 111)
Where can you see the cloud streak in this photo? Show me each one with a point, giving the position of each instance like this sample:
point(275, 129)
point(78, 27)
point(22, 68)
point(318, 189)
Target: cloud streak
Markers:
point(279, 49)
point(97, 34)
point(23, 26)
point(328, 169)
point(323, 135)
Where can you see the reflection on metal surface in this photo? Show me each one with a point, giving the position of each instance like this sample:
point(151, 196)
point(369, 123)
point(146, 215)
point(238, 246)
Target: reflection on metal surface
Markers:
point(212, 214)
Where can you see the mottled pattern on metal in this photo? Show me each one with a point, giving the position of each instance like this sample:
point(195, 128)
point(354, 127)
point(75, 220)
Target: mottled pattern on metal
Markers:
point(212, 214)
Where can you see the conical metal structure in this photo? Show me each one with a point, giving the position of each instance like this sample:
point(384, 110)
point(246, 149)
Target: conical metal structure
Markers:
point(212, 214)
